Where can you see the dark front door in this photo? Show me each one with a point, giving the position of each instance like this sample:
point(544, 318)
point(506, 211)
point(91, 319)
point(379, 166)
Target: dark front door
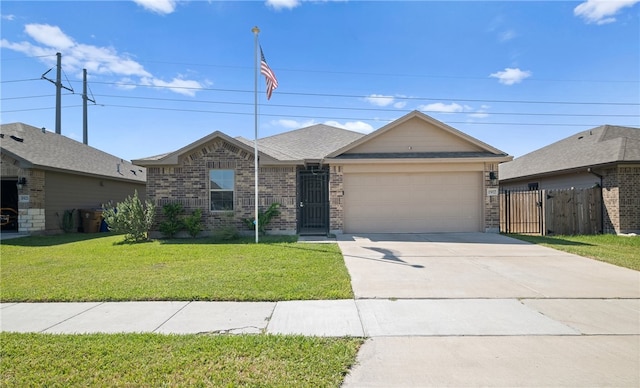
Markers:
point(313, 202)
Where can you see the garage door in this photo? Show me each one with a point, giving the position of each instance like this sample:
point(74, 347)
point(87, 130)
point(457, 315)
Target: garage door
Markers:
point(413, 202)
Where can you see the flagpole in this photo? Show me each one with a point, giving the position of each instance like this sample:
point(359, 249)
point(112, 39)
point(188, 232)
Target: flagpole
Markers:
point(255, 31)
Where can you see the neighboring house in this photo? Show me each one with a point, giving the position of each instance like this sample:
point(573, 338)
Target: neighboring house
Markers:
point(415, 174)
point(45, 174)
point(606, 156)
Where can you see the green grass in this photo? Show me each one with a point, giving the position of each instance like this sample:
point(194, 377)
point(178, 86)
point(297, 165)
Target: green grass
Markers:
point(619, 250)
point(152, 360)
point(77, 267)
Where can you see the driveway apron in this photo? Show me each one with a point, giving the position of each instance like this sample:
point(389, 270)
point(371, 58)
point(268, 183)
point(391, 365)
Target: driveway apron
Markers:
point(476, 309)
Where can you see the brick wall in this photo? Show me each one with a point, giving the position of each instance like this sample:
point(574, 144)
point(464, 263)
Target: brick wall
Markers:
point(491, 202)
point(188, 184)
point(629, 199)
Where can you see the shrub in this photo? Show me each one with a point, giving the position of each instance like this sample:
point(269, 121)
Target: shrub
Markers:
point(173, 223)
point(227, 230)
point(131, 217)
point(193, 223)
point(264, 218)
point(67, 222)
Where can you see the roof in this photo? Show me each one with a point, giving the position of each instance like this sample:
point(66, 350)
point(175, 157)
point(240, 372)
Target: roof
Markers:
point(314, 142)
point(310, 143)
point(595, 147)
point(36, 148)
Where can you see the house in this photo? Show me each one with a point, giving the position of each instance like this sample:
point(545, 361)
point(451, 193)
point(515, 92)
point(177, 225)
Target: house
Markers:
point(415, 174)
point(45, 174)
point(607, 156)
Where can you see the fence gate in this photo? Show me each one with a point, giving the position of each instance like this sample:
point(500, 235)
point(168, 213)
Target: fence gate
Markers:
point(522, 212)
point(543, 212)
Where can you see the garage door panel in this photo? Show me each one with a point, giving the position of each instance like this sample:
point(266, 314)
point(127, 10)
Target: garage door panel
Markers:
point(413, 202)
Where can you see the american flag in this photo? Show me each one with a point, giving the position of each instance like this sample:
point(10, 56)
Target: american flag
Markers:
point(269, 75)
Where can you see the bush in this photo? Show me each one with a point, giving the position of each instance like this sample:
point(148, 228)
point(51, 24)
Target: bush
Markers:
point(227, 231)
point(264, 218)
point(131, 217)
point(193, 223)
point(67, 222)
point(173, 223)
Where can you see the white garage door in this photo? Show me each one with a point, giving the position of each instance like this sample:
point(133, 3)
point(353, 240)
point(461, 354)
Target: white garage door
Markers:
point(413, 202)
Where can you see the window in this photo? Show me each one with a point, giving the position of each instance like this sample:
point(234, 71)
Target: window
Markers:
point(222, 183)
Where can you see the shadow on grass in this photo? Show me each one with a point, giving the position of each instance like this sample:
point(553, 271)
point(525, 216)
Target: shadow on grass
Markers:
point(239, 241)
point(59, 239)
point(548, 240)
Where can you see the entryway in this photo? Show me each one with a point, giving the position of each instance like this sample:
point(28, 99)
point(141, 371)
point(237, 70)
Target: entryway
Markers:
point(313, 201)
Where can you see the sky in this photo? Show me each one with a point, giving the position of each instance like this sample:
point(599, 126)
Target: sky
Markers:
point(517, 75)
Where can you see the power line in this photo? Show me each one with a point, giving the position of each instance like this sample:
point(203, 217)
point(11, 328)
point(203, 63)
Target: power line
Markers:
point(613, 103)
point(366, 109)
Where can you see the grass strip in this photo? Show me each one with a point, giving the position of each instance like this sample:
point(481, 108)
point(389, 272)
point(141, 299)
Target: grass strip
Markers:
point(154, 360)
point(623, 251)
point(100, 267)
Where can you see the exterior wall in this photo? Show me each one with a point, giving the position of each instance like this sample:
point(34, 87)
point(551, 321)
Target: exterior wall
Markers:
point(491, 201)
point(69, 191)
point(629, 180)
point(415, 135)
point(31, 217)
point(188, 184)
point(580, 180)
point(621, 198)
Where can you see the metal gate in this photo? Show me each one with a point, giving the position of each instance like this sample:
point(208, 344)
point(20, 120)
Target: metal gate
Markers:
point(313, 202)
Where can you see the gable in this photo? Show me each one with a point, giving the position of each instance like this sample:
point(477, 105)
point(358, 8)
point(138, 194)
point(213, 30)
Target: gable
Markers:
point(415, 135)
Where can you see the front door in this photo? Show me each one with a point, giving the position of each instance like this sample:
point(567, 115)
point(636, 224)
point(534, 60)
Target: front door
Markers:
point(313, 202)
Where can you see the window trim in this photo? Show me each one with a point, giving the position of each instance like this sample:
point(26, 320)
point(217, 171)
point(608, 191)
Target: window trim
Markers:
point(233, 190)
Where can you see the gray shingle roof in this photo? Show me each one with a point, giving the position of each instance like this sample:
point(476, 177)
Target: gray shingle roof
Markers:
point(595, 147)
point(314, 142)
point(50, 151)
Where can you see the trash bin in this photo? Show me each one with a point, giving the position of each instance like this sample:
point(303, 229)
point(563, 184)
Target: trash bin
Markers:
point(91, 219)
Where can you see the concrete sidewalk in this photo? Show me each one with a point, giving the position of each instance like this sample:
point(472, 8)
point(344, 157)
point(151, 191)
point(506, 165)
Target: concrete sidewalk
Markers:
point(334, 318)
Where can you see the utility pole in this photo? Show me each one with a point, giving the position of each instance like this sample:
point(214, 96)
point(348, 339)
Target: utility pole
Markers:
point(58, 83)
point(85, 129)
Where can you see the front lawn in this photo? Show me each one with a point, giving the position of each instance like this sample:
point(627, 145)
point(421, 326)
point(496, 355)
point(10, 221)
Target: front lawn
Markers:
point(99, 267)
point(152, 360)
point(610, 248)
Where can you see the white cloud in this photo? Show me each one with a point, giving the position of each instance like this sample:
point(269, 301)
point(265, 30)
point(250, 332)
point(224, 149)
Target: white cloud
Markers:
point(97, 60)
point(511, 76)
point(442, 108)
point(379, 100)
point(8, 17)
point(601, 11)
point(280, 4)
point(293, 124)
point(357, 126)
point(162, 7)
point(507, 35)
point(400, 104)
point(480, 113)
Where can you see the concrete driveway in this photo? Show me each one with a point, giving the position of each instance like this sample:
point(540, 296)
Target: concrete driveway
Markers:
point(475, 309)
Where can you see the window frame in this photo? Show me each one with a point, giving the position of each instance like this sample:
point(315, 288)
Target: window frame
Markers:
point(223, 190)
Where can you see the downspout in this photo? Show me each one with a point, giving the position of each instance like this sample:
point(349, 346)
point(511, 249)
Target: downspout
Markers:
point(590, 171)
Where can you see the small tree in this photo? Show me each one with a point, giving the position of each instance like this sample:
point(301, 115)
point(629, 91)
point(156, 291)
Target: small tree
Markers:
point(173, 223)
point(131, 217)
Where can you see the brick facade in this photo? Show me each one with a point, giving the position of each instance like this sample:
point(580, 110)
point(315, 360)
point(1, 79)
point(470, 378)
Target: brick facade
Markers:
point(491, 202)
point(31, 213)
point(621, 198)
point(188, 184)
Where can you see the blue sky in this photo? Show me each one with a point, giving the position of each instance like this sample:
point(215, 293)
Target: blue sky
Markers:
point(164, 73)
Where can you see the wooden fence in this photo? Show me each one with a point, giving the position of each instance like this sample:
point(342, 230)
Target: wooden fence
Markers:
point(548, 212)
